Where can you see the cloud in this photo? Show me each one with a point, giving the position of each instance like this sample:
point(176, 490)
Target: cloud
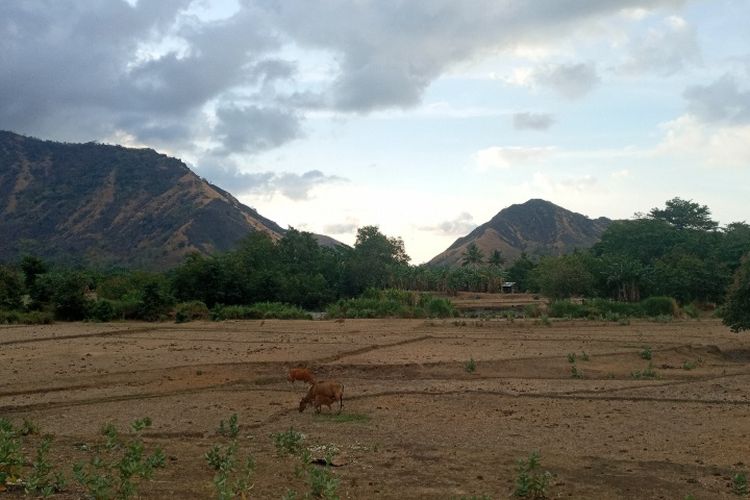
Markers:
point(533, 121)
point(572, 81)
point(157, 71)
point(665, 50)
point(462, 224)
point(297, 187)
point(719, 102)
point(510, 156)
point(689, 140)
point(342, 228)
point(226, 174)
point(253, 129)
point(549, 185)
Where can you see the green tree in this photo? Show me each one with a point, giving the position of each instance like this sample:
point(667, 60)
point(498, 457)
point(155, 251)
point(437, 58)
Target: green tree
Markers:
point(685, 214)
point(32, 267)
point(496, 259)
point(11, 288)
point(372, 261)
point(473, 256)
point(737, 307)
point(566, 276)
point(520, 272)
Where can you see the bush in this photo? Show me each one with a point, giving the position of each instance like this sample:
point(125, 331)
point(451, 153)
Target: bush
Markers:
point(392, 304)
point(26, 318)
point(191, 311)
point(736, 311)
point(101, 310)
point(261, 310)
point(660, 306)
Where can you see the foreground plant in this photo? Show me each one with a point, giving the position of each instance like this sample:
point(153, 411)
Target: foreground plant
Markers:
point(322, 483)
point(470, 366)
point(41, 481)
point(112, 474)
point(531, 481)
point(229, 481)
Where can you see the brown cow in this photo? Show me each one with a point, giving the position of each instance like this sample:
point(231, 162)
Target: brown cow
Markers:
point(323, 393)
point(303, 374)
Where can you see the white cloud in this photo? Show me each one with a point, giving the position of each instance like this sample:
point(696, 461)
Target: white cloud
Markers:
point(664, 50)
point(461, 225)
point(510, 156)
point(692, 141)
point(533, 121)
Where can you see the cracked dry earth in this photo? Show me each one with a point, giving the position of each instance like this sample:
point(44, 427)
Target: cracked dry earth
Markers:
point(422, 426)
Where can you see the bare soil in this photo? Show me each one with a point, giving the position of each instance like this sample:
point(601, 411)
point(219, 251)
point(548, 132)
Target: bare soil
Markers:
point(420, 425)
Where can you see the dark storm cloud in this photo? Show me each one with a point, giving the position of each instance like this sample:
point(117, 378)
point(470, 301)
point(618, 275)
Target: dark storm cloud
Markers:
point(85, 69)
point(533, 121)
point(253, 129)
point(720, 101)
point(226, 174)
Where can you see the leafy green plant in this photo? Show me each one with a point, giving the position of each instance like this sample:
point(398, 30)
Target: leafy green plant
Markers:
point(229, 428)
point(531, 481)
point(113, 473)
point(288, 442)
point(571, 357)
point(739, 484)
point(575, 372)
point(224, 462)
point(11, 457)
point(646, 353)
point(470, 366)
point(42, 481)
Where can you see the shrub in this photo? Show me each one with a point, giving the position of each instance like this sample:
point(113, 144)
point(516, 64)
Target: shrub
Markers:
point(660, 306)
point(739, 484)
point(532, 311)
point(261, 310)
point(470, 366)
point(691, 311)
point(191, 311)
point(646, 353)
point(101, 310)
point(26, 318)
point(391, 304)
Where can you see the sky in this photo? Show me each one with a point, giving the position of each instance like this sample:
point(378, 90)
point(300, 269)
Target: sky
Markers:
point(423, 117)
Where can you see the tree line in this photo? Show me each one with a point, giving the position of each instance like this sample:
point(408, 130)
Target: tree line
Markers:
point(676, 251)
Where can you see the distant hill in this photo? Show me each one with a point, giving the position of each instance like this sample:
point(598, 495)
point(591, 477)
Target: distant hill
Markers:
point(99, 204)
point(536, 227)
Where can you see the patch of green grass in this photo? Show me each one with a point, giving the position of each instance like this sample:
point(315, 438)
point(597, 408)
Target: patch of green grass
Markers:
point(648, 373)
point(571, 357)
point(646, 353)
point(470, 366)
point(575, 372)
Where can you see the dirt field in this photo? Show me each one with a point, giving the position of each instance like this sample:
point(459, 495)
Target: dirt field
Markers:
point(421, 426)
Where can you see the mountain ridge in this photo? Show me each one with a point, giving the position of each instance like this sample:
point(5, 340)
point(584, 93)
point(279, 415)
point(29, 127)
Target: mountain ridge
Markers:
point(112, 205)
point(536, 227)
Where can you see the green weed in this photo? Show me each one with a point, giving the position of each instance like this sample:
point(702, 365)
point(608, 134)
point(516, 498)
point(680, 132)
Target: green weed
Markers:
point(531, 481)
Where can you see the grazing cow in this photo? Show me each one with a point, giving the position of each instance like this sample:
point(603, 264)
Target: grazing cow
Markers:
point(303, 374)
point(323, 393)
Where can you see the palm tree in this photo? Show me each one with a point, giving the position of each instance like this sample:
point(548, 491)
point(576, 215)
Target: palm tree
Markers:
point(473, 256)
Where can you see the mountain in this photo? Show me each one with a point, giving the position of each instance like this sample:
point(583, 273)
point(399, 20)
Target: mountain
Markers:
point(99, 204)
point(536, 227)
